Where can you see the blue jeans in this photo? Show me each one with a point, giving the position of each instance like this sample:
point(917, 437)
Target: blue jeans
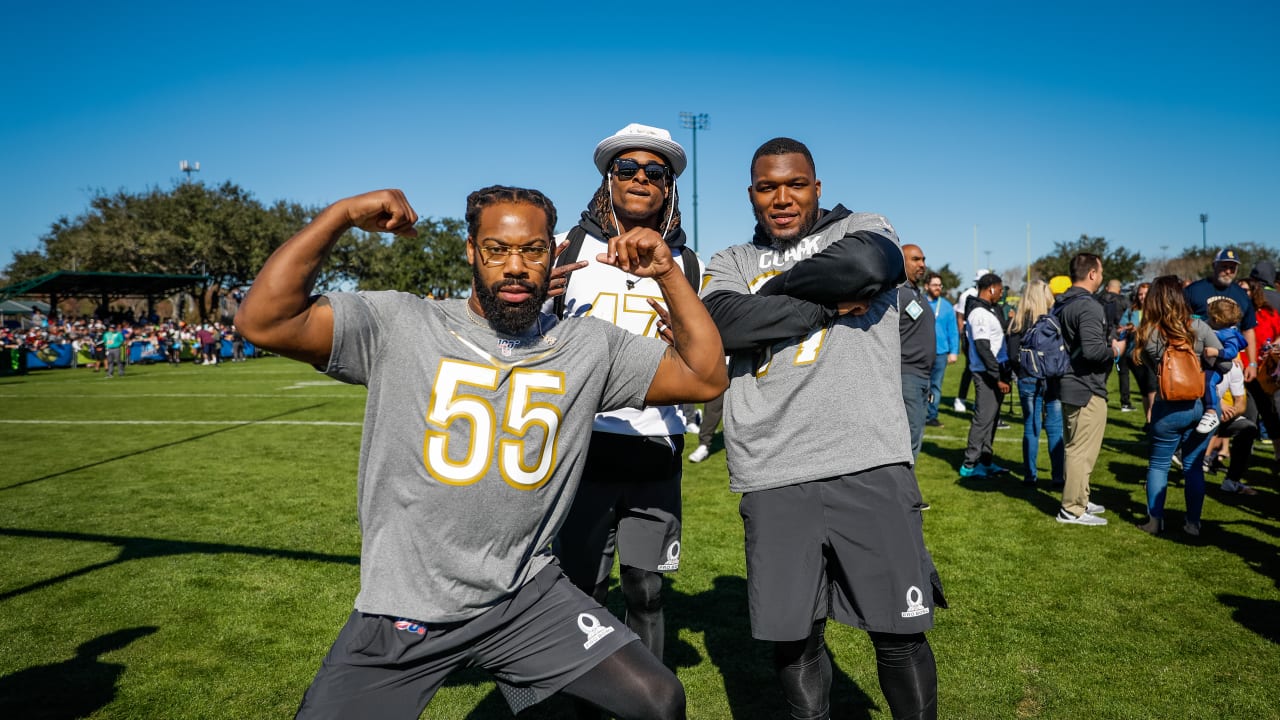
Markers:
point(1173, 425)
point(935, 386)
point(915, 397)
point(1037, 414)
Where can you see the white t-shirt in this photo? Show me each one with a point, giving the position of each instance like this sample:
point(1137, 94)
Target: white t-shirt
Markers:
point(621, 299)
point(963, 300)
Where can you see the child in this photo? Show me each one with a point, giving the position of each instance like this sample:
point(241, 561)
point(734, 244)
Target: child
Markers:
point(1224, 316)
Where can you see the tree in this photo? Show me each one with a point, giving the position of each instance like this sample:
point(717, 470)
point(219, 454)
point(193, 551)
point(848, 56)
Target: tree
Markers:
point(27, 264)
point(434, 264)
point(1194, 262)
point(1119, 263)
point(221, 232)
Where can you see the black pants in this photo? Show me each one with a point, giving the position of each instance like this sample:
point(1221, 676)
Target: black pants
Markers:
point(1242, 430)
point(982, 430)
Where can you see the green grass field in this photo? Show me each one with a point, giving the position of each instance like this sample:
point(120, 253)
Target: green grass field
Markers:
point(182, 543)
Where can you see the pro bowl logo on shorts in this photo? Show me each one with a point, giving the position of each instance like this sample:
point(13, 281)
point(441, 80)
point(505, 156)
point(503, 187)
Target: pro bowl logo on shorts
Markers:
point(588, 624)
point(673, 558)
point(915, 603)
point(416, 628)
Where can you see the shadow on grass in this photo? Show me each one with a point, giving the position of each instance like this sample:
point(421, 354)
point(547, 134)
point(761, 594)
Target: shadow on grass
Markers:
point(74, 688)
point(745, 664)
point(1043, 497)
point(140, 548)
point(135, 453)
point(1259, 616)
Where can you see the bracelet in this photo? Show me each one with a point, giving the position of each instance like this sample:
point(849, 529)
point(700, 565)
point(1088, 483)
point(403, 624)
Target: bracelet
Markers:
point(1253, 364)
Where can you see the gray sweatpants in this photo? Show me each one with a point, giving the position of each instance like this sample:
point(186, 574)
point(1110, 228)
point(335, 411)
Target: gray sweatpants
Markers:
point(115, 360)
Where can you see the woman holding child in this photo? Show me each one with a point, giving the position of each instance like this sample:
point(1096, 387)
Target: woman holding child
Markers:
point(1166, 318)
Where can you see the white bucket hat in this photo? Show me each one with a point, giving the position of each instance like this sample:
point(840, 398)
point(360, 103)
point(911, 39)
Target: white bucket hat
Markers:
point(640, 137)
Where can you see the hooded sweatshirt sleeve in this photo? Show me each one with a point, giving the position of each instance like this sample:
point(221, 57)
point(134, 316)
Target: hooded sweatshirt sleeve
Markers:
point(858, 266)
point(746, 321)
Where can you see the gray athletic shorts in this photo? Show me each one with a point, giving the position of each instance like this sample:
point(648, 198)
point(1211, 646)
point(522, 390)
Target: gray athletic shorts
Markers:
point(848, 548)
point(541, 639)
point(628, 501)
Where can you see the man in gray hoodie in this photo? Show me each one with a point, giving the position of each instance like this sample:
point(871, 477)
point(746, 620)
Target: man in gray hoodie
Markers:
point(817, 440)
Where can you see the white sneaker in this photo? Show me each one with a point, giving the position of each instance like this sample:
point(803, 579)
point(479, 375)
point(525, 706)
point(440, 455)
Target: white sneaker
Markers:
point(699, 454)
point(959, 405)
point(1082, 519)
point(692, 428)
point(1208, 422)
point(1094, 509)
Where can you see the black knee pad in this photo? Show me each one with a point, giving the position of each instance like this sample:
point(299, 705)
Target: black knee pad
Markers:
point(642, 589)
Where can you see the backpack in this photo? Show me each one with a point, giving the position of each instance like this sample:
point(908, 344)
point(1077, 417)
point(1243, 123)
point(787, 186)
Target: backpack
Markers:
point(1044, 351)
point(1181, 377)
point(575, 237)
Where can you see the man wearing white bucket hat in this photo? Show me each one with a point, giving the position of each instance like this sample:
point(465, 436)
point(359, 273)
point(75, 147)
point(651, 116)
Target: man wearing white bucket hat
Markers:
point(629, 499)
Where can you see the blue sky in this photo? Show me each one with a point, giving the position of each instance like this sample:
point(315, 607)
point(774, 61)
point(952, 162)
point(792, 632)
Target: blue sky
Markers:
point(1111, 119)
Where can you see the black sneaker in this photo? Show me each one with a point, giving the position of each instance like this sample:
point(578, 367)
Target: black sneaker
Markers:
point(1002, 425)
point(933, 423)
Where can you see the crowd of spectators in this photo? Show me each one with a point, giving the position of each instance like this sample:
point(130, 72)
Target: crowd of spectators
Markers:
point(1229, 325)
point(145, 341)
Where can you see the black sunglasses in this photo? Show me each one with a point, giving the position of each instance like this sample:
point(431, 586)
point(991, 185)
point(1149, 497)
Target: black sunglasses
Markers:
point(626, 168)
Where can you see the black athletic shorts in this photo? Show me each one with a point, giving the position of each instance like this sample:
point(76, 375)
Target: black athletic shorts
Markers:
point(849, 548)
point(628, 501)
point(534, 643)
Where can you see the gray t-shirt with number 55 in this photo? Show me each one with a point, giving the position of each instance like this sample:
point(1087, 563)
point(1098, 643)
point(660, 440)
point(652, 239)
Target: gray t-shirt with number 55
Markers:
point(473, 443)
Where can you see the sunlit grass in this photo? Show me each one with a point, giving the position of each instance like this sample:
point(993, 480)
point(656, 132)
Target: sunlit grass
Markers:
point(176, 570)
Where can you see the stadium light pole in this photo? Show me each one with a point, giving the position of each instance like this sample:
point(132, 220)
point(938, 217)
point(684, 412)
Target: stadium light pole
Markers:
point(1204, 232)
point(189, 168)
point(694, 122)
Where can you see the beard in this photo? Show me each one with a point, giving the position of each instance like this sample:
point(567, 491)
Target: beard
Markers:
point(785, 243)
point(505, 317)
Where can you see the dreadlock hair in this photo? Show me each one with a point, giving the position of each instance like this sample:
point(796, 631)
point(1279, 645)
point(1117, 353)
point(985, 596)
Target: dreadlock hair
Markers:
point(600, 209)
point(1165, 313)
point(782, 146)
point(495, 194)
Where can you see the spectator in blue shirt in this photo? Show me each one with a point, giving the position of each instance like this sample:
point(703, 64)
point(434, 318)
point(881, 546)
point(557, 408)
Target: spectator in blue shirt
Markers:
point(1222, 283)
point(948, 341)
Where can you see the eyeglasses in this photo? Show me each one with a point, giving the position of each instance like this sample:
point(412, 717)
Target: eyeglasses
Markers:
point(498, 254)
point(626, 168)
